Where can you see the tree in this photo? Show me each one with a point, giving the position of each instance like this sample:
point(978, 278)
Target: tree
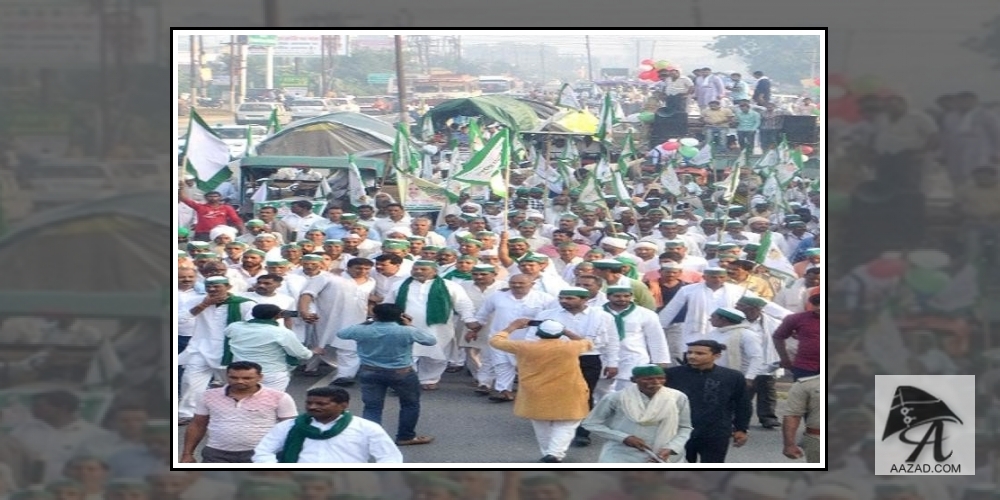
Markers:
point(989, 43)
point(784, 58)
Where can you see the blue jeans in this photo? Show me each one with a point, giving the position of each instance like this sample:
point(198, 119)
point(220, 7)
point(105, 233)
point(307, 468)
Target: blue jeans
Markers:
point(374, 383)
point(716, 136)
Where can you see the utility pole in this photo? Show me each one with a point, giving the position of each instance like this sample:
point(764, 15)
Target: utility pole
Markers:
point(243, 73)
point(271, 14)
point(400, 81)
point(269, 67)
point(194, 70)
point(232, 73)
point(203, 92)
point(638, 53)
point(590, 63)
point(322, 66)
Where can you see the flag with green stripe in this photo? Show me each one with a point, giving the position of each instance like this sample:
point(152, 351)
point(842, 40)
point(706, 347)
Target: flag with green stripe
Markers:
point(206, 156)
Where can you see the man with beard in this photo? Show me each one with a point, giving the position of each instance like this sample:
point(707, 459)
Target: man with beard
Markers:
point(763, 386)
point(327, 433)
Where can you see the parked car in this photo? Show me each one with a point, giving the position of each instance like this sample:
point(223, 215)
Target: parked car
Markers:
point(259, 113)
point(308, 108)
point(62, 182)
point(344, 104)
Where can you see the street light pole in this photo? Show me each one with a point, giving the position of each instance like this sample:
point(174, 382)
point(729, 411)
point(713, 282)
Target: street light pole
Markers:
point(590, 63)
point(400, 81)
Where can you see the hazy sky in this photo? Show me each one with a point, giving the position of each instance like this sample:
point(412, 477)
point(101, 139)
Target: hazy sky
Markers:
point(913, 44)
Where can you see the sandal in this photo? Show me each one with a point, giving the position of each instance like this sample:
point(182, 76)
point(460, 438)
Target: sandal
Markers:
point(482, 390)
point(416, 440)
point(429, 387)
point(502, 397)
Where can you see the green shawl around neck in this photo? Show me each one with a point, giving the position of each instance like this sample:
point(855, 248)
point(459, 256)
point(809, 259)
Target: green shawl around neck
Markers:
point(233, 315)
point(620, 318)
point(302, 430)
point(439, 306)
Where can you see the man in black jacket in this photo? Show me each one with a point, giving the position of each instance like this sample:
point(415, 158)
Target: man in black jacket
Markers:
point(720, 409)
point(762, 90)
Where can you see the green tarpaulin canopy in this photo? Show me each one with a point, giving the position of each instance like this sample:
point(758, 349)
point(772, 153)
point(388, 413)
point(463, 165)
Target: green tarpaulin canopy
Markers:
point(506, 110)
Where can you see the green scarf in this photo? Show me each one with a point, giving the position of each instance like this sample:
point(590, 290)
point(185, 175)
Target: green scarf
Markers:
point(458, 275)
point(299, 432)
point(438, 301)
point(620, 318)
point(233, 315)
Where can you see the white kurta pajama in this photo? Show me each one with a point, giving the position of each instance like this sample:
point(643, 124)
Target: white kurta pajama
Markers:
point(665, 423)
point(498, 311)
point(643, 344)
point(479, 354)
point(432, 360)
point(202, 359)
point(701, 302)
point(361, 441)
point(355, 311)
point(332, 297)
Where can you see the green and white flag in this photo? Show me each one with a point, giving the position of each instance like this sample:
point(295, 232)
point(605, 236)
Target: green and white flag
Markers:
point(733, 180)
point(770, 256)
point(404, 156)
point(487, 162)
point(607, 119)
point(248, 151)
point(621, 191)
point(475, 135)
point(669, 179)
point(498, 186)
point(704, 156)
point(629, 150)
point(427, 128)
point(273, 124)
point(591, 192)
point(206, 155)
point(603, 170)
point(355, 184)
point(567, 98)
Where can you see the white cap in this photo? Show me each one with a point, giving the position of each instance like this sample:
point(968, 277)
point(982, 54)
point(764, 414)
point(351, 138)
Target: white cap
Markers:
point(646, 244)
point(189, 177)
point(615, 243)
point(551, 327)
point(533, 213)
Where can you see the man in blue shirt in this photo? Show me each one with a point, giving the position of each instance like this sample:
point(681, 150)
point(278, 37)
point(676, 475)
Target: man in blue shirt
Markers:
point(385, 348)
point(747, 123)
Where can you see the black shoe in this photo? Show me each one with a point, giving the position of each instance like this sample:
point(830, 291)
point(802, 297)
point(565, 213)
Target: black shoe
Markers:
point(343, 382)
point(770, 424)
point(549, 459)
point(581, 441)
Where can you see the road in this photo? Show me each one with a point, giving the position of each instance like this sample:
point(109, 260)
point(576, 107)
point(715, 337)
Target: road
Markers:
point(471, 429)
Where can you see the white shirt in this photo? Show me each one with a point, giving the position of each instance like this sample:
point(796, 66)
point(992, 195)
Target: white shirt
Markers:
point(592, 324)
point(208, 337)
point(285, 302)
point(300, 225)
point(702, 302)
point(359, 442)
point(383, 225)
point(500, 309)
point(644, 342)
point(185, 326)
point(750, 353)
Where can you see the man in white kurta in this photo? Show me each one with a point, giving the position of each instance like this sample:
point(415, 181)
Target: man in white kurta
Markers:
point(641, 336)
point(478, 353)
point(646, 417)
point(335, 300)
point(202, 359)
point(499, 310)
point(701, 300)
point(743, 344)
point(359, 442)
point(764, 325)
point(433, 360)
point(355, 311)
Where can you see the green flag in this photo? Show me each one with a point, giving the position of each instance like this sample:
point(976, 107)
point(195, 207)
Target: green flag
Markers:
point(273, 125)
point(607, 119)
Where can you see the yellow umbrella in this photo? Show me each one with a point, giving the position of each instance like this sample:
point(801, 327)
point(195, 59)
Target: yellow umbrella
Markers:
point(580, 122)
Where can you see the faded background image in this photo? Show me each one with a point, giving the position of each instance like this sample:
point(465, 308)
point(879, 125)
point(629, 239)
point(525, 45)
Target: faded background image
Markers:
point(86, 300)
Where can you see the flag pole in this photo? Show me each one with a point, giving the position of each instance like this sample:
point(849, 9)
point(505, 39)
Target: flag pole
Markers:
point(506, 185)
